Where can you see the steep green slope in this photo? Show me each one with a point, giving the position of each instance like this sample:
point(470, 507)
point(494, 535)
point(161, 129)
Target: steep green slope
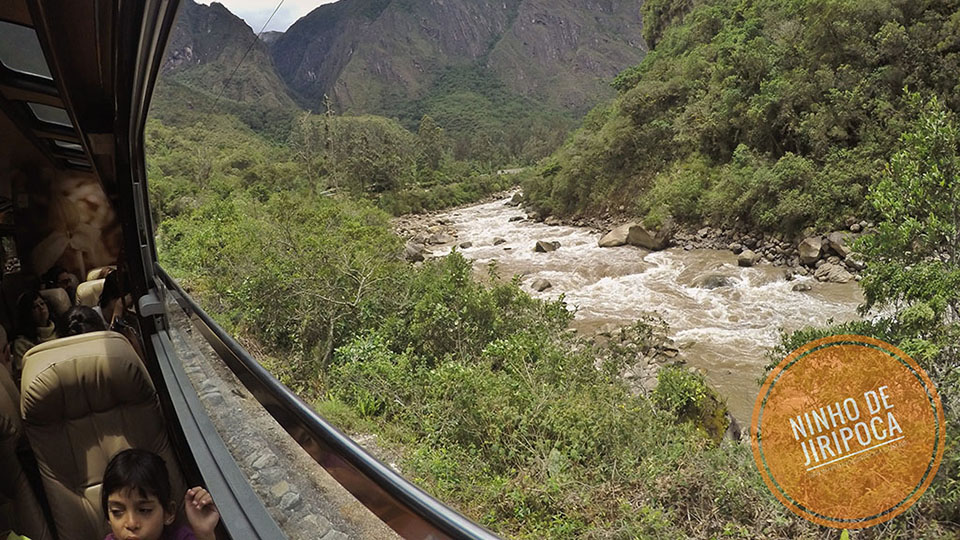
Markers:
point(504, 78)
point(763, 114)
point(203, 63)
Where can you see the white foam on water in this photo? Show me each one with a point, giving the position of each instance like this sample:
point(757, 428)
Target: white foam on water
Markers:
point(730, 328)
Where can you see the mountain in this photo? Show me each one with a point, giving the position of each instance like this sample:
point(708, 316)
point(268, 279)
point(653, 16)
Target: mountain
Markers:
point(207, 44)
point(376, 55)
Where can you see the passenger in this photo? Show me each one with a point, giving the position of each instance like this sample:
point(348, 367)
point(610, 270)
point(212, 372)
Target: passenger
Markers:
point(80, 320)
point(113, 308)
point(36, 326)
point(59, 277)
point(112, 304)
point(136, 499)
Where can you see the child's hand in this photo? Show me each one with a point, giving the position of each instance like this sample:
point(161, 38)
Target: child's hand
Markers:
point(201, 513)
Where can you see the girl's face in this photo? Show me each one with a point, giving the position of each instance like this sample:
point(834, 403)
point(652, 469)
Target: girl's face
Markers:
point(40, 313)
point(135, 517)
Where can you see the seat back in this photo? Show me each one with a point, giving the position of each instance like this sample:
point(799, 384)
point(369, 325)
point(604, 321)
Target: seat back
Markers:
point(86, 398)
point(19, 509)
point(88, 292)
point(58, 300)
point(100, 272)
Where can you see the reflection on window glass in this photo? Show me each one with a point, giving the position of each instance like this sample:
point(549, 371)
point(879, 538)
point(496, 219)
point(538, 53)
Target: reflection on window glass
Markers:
point(20, 50)
point(52, 115)
point(68, 145)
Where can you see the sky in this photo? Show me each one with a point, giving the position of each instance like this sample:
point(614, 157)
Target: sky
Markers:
point(256, 12)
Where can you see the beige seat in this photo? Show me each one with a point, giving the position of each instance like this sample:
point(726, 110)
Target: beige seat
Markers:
point(19, 509)
point(88, 292)
point(85, 398)
point(100, 272)
point(57, 299)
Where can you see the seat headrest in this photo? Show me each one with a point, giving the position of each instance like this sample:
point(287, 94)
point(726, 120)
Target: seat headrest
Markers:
point(100, 272)
point(57, 299)
point(73, 377)
point(10, 425)
point(88, 292)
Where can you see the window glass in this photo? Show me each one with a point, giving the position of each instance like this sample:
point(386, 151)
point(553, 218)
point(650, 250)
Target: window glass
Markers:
point(52, 115)
point(20, 50)
point(78, 163)
point(68, 145)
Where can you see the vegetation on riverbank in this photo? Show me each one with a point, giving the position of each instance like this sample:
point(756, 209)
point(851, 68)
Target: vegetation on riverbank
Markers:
point(766, 115)
point(771, 116)
point(493, 405)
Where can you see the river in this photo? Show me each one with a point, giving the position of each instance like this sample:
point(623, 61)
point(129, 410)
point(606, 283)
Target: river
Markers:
point(724, 332)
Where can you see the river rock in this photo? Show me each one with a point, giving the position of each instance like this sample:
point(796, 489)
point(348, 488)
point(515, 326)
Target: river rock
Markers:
point(801, 287)
point(747, 258)
point(498, 241)
point(837, 241)
point(736, 248)
point(855, 228)
point(516, 200)
point(854, 261)
point(552, 220)
point(638, 235)
point(440, 238)
point(616, 237)
point(834, 273)
point(515, 218)
point(540, 285)
point(546, 247)
point(810, 249)
point(413, 252)
point(466, 245)
point(713, 281)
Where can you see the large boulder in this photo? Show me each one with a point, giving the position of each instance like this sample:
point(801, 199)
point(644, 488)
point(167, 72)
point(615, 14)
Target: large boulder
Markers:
point(545, 247)
point(638, 235)
point(440, 238)
point(837, 241)
point(713, 281)
point(834, 273)
point(747, 258)
point(413, 252)
point(810, 249)
point(516, 200)
point(616, 237)
point(552, 221)
point(540, 285)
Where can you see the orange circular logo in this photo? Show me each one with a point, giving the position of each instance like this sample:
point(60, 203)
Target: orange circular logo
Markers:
point(848, 431)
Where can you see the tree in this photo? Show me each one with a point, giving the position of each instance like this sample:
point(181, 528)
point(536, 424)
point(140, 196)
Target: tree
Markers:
point(307, 144)
point(912, 258)
point(431, 145)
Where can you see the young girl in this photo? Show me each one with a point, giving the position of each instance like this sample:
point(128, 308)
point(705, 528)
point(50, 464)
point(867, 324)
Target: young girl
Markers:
point(136, 500)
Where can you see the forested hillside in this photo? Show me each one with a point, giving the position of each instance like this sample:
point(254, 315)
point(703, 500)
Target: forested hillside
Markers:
point(767, 115)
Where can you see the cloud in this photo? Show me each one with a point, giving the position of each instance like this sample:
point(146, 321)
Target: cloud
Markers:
point(256, 12)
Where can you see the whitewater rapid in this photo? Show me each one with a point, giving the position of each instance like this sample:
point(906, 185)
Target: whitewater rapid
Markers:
point(724, 332)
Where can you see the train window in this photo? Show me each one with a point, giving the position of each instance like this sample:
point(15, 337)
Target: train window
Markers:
point(51, 115)
point(64, 145)
point(8, 254)
point(78, 163)
point(20, 50)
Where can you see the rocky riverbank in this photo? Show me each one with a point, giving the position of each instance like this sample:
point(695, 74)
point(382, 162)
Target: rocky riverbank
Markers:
point(826, 256)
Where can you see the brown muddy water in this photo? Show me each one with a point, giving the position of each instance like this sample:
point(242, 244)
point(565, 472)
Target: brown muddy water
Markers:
point(724, 332)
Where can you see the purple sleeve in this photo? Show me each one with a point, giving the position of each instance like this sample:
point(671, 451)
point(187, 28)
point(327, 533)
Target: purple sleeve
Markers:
point(182, 532)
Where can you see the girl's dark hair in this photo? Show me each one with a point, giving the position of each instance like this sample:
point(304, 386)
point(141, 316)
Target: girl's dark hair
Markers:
point(111, 289)
point(80, 320)
point(137, 469)
point(25, 314)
